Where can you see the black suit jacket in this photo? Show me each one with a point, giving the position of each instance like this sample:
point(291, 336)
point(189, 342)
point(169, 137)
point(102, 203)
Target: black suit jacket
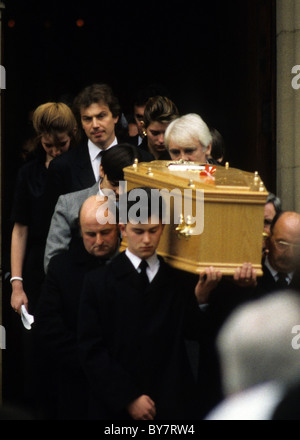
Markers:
point(55, 331)
point(227, 296)
point(132, 342)
point(72, 171)
point(266, 284)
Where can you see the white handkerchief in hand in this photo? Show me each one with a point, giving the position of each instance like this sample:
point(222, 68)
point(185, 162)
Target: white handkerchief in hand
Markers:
point(27, 319)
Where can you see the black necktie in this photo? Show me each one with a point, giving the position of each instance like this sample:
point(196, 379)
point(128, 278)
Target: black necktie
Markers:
point(281, 283)
point(143, 277)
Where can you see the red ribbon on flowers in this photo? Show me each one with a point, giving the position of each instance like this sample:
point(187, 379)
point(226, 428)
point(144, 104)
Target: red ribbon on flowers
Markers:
point(208, 171)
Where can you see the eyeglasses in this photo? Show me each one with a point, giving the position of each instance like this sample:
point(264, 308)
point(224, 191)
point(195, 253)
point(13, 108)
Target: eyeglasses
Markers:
point(285, 245)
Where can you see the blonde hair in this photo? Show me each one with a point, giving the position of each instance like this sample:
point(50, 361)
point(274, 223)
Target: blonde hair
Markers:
point(54, 117)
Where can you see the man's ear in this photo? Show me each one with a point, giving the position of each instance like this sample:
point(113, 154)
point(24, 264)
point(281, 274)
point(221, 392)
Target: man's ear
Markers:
point(122, 228)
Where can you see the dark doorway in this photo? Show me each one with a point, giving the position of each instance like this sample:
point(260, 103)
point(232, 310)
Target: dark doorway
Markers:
point(216, 58)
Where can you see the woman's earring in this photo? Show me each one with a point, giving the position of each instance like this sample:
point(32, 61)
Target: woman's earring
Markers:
point(143, 128)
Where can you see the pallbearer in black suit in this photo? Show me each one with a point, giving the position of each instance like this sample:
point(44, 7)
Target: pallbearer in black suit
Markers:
point(282, 261)
point(280, 265)
point(132, 328)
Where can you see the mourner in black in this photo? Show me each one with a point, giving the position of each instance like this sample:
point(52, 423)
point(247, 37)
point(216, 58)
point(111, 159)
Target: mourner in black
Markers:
point(63, 383)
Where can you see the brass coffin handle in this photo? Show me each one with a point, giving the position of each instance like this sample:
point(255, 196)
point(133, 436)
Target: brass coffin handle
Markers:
point(184, 229)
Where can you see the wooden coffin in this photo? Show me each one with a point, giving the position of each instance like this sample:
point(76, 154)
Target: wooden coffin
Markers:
point(232, 217)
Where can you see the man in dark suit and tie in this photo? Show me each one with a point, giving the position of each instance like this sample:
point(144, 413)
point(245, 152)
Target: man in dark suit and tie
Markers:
point(132, 326)
point(280, 265)
point(282, 261)
point(98, 112)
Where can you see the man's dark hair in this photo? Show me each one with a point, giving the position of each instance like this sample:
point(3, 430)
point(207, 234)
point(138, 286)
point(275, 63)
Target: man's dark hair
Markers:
point(115, 159)
point(276, 202)
point(97, 93)
point(277, 216)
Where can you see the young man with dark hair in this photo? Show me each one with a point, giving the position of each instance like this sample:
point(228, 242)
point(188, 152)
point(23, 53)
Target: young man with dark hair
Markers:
point(133, 322)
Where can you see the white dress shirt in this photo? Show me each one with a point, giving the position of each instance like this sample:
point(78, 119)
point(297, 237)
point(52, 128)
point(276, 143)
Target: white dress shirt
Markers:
point(96, 157)
point(153, 263)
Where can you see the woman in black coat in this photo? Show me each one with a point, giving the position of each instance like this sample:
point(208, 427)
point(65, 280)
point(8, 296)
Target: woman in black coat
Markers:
point(55, 127)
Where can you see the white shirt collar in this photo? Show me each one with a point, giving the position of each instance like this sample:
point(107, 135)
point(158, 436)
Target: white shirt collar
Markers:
point(153, 263)
point(96, 158)
point(94, 150)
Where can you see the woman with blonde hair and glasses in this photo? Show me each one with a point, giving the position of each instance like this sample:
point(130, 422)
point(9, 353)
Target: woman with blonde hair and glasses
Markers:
point(56, 129)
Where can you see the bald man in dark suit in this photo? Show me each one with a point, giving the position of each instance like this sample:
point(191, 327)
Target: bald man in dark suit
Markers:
point(55, 327)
